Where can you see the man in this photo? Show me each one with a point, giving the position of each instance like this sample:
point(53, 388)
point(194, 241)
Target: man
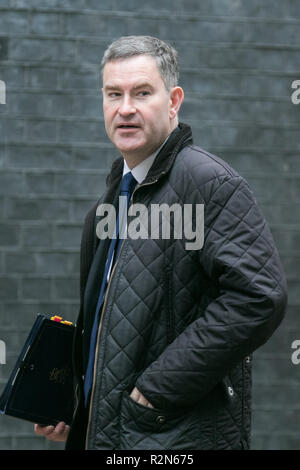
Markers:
point(163, 355)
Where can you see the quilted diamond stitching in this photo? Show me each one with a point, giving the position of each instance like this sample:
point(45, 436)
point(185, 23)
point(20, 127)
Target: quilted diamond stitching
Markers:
point(129, 289)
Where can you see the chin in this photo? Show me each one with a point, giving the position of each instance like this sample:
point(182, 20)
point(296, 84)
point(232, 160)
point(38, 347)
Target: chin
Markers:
point(129, 148)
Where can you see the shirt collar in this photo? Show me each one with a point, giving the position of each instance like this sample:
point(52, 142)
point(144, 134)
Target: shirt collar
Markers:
point(140, 171)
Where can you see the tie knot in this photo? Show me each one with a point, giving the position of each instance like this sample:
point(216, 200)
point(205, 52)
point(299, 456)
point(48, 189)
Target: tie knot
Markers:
point(128, 183)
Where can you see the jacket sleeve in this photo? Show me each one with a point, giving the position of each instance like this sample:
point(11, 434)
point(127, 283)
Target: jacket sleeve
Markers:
point(240, 257)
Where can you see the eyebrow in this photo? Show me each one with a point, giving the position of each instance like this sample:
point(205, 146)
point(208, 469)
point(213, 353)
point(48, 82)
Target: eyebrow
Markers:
point(143, 85)
point(137, 87)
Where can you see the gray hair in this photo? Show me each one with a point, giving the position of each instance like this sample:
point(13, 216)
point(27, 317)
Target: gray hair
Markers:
point(165, 55)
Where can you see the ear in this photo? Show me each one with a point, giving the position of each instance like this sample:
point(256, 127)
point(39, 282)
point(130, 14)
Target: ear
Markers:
point(176, 99)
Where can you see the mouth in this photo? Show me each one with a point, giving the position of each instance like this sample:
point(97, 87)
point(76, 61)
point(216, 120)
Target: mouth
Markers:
point(128, 126)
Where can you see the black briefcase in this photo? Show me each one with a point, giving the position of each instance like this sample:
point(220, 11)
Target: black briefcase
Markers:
point(40, 388)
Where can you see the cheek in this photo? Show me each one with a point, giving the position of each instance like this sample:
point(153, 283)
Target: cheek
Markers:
point(108, 110)
point(156, 116)
point(108, 118)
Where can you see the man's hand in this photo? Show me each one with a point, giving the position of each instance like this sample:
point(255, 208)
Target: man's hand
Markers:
point(58, 433)
point(139, 398)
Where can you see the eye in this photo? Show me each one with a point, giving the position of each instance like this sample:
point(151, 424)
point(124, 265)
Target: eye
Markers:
point(114, 94)
point(143, 93)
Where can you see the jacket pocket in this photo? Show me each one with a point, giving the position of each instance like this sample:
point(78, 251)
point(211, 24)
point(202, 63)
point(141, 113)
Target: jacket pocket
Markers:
point(145, 418)
point(142, 427)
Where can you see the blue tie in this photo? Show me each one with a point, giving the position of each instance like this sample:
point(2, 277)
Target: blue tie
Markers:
point(127, 187)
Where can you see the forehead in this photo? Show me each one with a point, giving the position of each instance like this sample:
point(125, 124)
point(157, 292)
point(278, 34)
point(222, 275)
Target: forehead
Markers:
point(130, 71)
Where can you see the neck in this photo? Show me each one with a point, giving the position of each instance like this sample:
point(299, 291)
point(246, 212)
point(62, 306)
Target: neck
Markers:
point(134, 160)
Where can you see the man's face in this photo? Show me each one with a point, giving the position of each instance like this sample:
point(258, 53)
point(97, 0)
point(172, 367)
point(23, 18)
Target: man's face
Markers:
point(138, 110)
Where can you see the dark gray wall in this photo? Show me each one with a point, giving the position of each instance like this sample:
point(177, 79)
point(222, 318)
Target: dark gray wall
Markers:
point(238, 60)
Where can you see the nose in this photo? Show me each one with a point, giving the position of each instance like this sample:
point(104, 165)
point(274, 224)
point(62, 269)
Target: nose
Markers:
point(127, 107)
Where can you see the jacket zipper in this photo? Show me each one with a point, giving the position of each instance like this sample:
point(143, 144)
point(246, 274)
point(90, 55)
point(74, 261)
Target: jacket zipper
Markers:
point(100, 327)
point(96, 352)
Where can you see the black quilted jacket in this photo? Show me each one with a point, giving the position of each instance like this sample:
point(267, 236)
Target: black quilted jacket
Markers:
point(178, 324)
